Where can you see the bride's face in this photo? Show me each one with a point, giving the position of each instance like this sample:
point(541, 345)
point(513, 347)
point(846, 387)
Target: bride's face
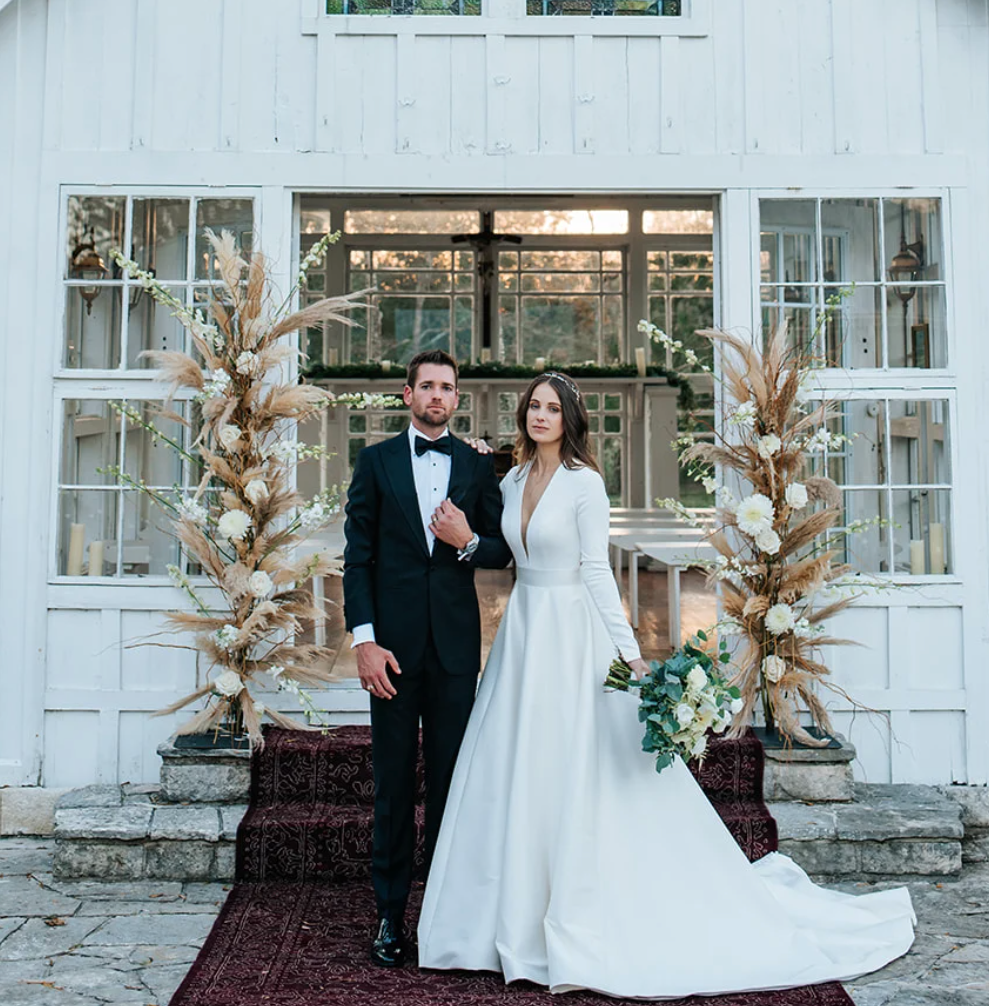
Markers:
point(544, 420)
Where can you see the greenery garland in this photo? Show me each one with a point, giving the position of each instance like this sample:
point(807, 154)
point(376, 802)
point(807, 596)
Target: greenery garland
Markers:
point(375, 372)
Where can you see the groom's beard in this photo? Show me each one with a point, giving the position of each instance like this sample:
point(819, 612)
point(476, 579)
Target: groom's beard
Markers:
point(435, 420)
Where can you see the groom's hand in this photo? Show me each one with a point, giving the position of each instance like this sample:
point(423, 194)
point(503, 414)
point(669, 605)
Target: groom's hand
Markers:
point(449, 524)
point(372, 666)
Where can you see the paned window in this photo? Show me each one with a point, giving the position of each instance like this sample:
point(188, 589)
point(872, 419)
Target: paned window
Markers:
point(561, 306)
point(462, 7)
point(888, 252)
point(654, 8)
point(607, 422)
point(893, 464)
point(104, 528)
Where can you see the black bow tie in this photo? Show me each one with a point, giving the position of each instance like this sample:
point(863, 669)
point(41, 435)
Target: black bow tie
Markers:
point(422, 445)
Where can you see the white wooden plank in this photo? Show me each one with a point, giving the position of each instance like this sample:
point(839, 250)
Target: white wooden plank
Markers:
point(71, 742)
point(671, 128)
point(75, 644)
point(757, 102)
point(468, 100)
point(872, 76)
point(295, 69)
point(643, 91)
point(957, 88)
point(203, 92)
point(230, 70)
point(930, 74)
point(256, 125)
point(497, 79)
point(729, 80)
point(407, 93)
point(521, 103)
point(433, 93)
point(116, 102)
point(349, 116)
point(325, 104)
point(611, 95)
point(583, 92)
point(379, 95)
point(55, 43)
point(846, 122)
point(816, 67)
point(935, 751)
point(80, 113)
point(143, 73)
point(869, 733)
point(781, 56)
point(698, 96)
point(904, 95)
point(556, 96)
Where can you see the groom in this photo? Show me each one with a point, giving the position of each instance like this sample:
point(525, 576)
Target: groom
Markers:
point(423, 511)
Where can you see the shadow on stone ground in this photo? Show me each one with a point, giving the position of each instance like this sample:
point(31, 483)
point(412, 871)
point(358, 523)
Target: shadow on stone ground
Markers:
point(93, 943)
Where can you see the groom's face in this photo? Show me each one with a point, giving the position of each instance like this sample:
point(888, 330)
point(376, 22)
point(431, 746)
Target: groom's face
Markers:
point(435, 397)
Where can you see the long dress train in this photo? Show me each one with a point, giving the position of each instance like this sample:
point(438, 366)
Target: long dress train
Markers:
point(565, 859)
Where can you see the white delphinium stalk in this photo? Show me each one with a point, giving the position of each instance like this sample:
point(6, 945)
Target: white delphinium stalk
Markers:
point(233, 524)
point(744, 416)
point(217, 386)
point(227, 637)
point(190, 510)
point(710, 485)
point(780, 618)
point(755, 513)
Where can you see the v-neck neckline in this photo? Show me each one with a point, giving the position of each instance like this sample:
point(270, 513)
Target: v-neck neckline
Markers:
point(524, 531)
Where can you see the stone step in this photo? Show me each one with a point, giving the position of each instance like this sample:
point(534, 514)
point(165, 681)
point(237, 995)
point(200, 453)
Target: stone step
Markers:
point(888, 831)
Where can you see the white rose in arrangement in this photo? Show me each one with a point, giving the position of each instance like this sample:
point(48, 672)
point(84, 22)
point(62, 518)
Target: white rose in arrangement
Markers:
point(229, 436)
point(229, 683)
point(700, 746)
point(755, 513)
point(260, 583)
point(773, 668)
point(233, 524)
point(684, 714)
point(768, 445)
point(245, 363)
point(768, 541)
point(780, 619)
point(256, 491)
point(696, 678)
point(796, 495)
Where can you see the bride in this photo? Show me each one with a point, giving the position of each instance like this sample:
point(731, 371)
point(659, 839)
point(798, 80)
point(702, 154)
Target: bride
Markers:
point(563, 857)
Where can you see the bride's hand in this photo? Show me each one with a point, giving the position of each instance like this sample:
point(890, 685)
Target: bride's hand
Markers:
point(480, 445)
point(639, 668)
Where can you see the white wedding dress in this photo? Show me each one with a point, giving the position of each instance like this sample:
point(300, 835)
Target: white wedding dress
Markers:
point(565, 859)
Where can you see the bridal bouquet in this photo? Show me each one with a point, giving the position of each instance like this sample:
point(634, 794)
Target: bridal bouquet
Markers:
point(680, 700)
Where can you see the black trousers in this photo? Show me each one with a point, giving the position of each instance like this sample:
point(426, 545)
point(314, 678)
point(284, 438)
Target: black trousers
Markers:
point(443, 702)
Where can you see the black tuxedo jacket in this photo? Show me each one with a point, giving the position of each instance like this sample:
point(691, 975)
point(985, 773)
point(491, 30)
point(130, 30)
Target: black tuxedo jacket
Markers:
point(389, 576)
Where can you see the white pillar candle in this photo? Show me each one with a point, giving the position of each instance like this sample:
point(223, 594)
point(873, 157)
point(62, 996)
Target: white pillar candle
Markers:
point(77, 539)
point(333, 356)
point(95, 558)
point(540, 363)
point(386, 366)
point(936, 536)
point(918, 564)
point(640, 361)
point(486, 354)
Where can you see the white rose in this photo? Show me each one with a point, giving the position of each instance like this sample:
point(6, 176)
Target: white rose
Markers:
point(684, 714)
point(796, 495)
point(696, 678)
point(736, 706)
point(768, 445)
point(256, 491)
point(780, 619)
point(259, 583)
point(245, 363)
point(229, 436)
point(768, 541)
point(773, 668)
point(754, 514)
point(229, 683)
point(233, 524)
point(700, 746)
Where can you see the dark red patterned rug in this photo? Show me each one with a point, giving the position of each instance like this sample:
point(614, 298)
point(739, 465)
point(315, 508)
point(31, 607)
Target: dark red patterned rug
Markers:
point(296, 928)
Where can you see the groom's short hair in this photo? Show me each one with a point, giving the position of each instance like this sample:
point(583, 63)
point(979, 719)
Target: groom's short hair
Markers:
point(436, 356)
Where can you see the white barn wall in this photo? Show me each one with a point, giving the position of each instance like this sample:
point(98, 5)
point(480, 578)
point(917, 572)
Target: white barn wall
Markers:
point(837, 98)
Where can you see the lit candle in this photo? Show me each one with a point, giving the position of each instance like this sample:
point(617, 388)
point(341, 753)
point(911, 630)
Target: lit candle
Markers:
point(486, 354)
point(540, 363)
point(640, 361)
point(333, 356)
point(95, 558)
point(386, 366)
point(936, 535)
point(918, 565)
point(77, 538)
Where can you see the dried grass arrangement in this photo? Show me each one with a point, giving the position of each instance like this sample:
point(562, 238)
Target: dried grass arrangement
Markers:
point(774, 568)
point(244, 519)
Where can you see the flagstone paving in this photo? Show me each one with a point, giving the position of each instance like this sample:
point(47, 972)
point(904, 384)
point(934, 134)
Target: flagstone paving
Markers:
point(93, 943)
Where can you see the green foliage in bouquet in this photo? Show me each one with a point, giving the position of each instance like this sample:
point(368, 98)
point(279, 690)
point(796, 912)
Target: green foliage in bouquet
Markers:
point(680, 700)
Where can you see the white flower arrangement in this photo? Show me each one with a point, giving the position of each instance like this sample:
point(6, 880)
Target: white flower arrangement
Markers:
point(768, 541)
point(259, 583)
point(233, 524)
point(192, 510)
point(773, 668)
point(754, 514)
point(768, 446)
point(796, 495)
point(256, 491)
point(228, 683)
point(229, 436)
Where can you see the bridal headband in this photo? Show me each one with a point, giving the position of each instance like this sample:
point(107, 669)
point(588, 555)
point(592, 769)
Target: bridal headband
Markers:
point(566, 380)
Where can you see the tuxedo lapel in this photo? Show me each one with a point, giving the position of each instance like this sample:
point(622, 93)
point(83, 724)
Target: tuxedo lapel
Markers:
point(398, 471)
point(461, 467)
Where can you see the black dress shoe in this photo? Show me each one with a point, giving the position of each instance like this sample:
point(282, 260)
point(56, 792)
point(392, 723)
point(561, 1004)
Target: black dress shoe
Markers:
point(388, 948)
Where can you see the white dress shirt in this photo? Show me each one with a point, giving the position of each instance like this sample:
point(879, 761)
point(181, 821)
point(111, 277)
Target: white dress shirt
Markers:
point(431, 473)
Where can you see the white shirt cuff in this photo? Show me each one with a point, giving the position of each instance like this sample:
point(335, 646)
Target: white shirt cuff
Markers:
point(363, 634)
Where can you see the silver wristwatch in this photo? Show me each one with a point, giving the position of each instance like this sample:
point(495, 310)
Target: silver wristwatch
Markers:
point(470, 548)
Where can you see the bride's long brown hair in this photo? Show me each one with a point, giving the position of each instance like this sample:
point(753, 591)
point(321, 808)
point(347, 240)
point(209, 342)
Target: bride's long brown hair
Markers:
point(575, 451)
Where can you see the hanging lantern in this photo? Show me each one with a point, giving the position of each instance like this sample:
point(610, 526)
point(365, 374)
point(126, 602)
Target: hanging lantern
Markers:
point(88, 265)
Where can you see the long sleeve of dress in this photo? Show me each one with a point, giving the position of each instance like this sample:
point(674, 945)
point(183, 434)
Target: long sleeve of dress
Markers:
point(593, 518)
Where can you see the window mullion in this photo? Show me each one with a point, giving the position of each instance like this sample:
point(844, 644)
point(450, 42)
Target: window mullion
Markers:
point(125, 291)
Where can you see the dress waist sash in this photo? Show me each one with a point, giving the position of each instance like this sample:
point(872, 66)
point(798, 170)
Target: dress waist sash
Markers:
point(547, 577)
